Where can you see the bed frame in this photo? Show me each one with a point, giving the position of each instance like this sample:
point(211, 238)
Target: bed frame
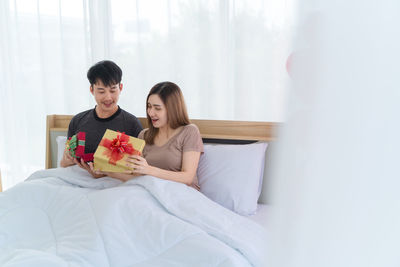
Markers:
point(231, 131)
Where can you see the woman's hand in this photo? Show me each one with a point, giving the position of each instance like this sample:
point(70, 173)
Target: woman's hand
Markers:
point(138, 165)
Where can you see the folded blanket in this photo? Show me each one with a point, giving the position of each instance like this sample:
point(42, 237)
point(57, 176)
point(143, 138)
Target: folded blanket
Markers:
point(64, 217)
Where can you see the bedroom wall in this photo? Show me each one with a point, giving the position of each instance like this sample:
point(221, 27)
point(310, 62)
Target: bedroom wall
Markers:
point(238, 73)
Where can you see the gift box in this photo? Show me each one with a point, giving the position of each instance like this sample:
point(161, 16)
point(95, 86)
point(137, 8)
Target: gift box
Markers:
point(76, 146)
point(114, 148)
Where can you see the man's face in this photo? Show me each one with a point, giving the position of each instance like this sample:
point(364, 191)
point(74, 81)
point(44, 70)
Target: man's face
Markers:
point(106, 96)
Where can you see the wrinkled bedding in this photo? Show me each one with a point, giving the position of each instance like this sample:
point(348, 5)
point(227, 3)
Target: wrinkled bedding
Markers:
point(64, 217)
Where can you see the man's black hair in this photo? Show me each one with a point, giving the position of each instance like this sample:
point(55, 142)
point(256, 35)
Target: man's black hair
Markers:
point(106, 71)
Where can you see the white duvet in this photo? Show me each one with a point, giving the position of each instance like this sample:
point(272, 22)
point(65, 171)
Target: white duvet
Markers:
point(63, 217)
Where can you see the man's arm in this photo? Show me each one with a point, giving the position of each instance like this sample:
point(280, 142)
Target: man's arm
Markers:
point(67, 159)
point(87, 166)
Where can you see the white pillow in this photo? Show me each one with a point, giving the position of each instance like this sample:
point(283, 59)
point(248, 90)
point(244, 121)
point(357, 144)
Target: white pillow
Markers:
point(232, 175)
point(61, 140)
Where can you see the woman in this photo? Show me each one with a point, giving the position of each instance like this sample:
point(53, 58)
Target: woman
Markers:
point(173, 145)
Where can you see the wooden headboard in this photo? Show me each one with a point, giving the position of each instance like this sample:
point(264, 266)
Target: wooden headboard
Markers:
point(213, 129)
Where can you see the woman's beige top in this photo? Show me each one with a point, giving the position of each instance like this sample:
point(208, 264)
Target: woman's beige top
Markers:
point(169, 156)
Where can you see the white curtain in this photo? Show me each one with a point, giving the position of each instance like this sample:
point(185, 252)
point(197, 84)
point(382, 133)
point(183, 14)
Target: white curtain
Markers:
point(228, 56)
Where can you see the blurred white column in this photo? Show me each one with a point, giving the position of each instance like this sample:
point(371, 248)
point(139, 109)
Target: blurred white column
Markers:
point(336, 189)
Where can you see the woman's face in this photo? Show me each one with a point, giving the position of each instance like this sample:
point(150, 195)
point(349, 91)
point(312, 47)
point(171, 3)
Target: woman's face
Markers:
point(157, 111)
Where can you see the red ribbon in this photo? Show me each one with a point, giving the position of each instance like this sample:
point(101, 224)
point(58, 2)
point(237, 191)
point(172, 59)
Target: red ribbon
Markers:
point(117, 147)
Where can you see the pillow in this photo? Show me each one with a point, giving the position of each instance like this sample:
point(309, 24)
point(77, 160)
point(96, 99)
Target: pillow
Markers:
point(61, 140)
point(232, 175)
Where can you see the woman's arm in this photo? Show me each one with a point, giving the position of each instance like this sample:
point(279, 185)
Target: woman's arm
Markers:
point(190, 161)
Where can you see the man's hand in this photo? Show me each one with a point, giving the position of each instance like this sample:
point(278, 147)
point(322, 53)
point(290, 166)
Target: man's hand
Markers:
point(122, 176)
point(67, 159)
point(86, 166)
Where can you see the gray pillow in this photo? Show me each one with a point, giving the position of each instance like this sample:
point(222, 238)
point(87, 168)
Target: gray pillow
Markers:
point(232, 175)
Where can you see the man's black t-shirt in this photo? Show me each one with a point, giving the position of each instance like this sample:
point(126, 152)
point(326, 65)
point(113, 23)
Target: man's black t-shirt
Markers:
point(94, 127)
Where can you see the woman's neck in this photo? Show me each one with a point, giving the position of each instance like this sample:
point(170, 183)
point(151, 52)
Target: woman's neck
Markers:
point(166, 132)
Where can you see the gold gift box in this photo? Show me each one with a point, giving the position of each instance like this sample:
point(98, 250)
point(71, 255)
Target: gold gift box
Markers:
point(114, 148)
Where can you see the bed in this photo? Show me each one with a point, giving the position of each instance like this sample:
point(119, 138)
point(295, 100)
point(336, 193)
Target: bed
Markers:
point(64, 217)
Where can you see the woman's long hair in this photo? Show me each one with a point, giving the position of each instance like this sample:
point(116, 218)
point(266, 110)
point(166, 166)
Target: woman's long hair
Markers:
point(172, 98)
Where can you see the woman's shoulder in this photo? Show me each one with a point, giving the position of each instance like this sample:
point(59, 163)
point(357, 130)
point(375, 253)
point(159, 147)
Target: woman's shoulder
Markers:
point(191, 128)
point(192, 140)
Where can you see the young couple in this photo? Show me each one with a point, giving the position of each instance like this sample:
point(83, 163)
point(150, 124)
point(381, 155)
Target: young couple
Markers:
point(173, 145)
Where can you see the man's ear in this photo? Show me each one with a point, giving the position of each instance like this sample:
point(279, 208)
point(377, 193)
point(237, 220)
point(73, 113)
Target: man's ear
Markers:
point(120, 87)
point(91, 90)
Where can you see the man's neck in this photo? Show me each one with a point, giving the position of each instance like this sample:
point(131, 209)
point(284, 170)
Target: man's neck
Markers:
point(105, 114)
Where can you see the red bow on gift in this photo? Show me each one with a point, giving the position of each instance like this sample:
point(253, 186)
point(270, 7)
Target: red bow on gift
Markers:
point(117, 147)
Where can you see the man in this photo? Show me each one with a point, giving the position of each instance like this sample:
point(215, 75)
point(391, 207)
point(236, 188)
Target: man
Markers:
point(105, 85)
